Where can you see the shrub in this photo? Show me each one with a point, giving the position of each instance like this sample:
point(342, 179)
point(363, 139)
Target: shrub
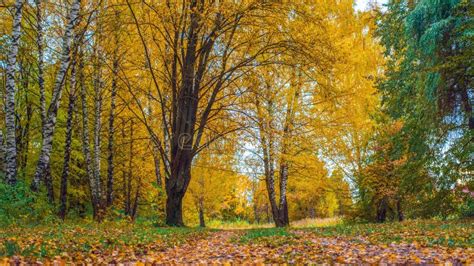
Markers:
point(18, 204)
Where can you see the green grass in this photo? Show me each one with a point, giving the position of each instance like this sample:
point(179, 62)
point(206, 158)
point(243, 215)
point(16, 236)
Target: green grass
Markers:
point(271, 237)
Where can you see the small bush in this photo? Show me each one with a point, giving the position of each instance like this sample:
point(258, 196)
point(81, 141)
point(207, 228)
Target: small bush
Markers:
point(467, 208)
point(18, 204)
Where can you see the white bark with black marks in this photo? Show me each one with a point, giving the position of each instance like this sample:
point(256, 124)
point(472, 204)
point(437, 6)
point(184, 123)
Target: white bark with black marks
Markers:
point(39, 44)
point(98, 86)
point(2, 153)
point(94, 184)
point(68, 141)
point(50, 125)
point(10, 147)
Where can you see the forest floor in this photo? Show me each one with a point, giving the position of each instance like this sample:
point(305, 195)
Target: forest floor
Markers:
point(121, 243)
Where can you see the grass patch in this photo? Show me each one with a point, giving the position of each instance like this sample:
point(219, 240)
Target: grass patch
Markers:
point(317, 222)
point(238, 224)
point(271, 237)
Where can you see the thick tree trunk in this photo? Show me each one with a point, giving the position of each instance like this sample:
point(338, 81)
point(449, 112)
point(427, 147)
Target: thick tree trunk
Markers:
point(50, 125)
point(10, 91)
point(178, 182)
point(67, 148)
point(174, 209)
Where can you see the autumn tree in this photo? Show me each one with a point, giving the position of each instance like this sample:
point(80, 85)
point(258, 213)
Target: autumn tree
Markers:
point(10, 146)
point(196, 75)
point(51, 115)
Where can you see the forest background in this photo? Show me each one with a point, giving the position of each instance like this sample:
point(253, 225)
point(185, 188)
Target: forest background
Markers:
point(221, 111)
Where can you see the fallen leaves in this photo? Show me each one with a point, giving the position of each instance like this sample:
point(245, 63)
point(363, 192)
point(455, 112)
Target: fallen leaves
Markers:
point(148, 245)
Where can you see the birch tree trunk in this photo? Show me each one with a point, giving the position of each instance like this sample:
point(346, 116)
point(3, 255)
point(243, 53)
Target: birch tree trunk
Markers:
point(2, 153)
point(67, 148)
point(50, 125)
point(97, 118)
point(39, 44)
point(10, 147)
point(94, 183)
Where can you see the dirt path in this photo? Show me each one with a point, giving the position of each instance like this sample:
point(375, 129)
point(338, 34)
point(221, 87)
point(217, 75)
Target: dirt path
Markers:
point(218, 247)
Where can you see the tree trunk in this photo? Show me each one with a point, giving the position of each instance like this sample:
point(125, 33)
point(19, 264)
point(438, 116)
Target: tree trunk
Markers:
point(283, 208)
point(134, 210)
point(97, 119)
point(67, 148)
point(39, 44)
point(110, 147)
point(126, 200)
point(174, 209)
point(2, 153)
point(400, 215)
point(382, 210)
point(23, 131)
point(177, 183)
point(156, 159)
point(10, 91)
point(255, 212)
point(128, 205)
point(49, 126)
point(94, 184)
point(202, 222)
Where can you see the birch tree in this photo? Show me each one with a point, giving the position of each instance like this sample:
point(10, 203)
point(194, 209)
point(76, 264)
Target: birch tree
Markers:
point(2, 153)
point(94, 182)
point(67, 148)
point(275, 103)
point(10, 147)
point(51, 116)
point(39, 44)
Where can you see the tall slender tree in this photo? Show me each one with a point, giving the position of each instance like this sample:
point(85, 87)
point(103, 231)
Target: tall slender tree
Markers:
point(67, 148)
point(10, 147)
point(51, 116)
point(113, 96)
point(39, 44)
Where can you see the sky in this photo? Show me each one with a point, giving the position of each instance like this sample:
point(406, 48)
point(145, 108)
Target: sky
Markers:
point(363, 4)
